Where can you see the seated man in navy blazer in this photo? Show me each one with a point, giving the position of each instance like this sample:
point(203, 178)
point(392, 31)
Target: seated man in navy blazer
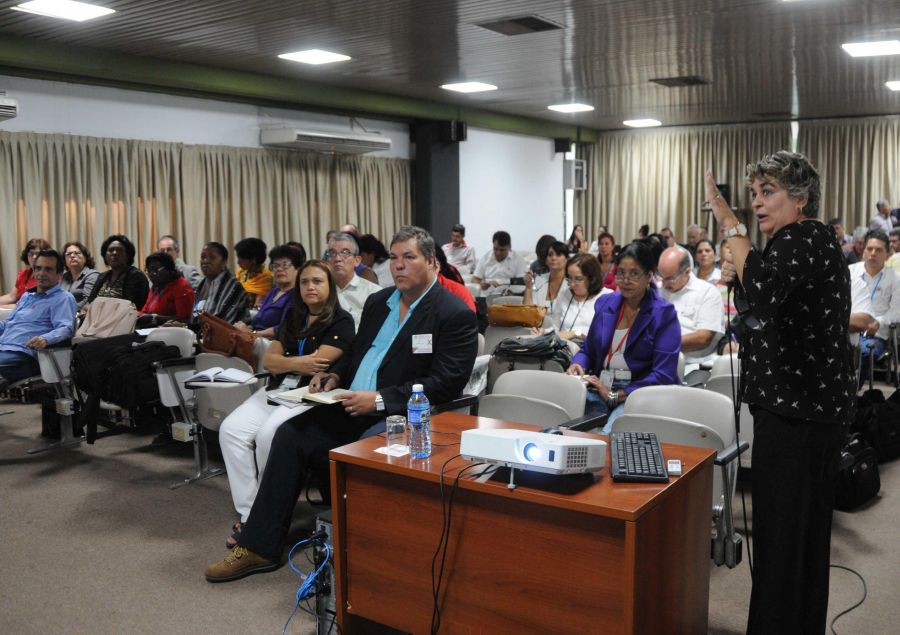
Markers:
point(415, 333)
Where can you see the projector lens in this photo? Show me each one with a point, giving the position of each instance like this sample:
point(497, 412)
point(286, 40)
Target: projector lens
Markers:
point(532, 452)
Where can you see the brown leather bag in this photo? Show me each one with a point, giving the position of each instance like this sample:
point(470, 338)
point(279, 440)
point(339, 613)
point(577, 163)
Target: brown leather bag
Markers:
point(516, 314)
point(218, 336)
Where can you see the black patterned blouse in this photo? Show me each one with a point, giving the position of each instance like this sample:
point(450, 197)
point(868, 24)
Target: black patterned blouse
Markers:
point(796, 359)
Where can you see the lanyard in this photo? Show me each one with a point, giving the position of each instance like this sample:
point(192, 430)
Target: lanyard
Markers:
point(562, 323)
point(875, 288)
point(624, 339)
point(303, 341)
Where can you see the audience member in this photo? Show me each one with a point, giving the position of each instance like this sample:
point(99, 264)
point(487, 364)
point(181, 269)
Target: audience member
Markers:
point(316, 331)
point(698, 304)
point(539, 265)
point(606, 255)
point(450, 279)
point(545, 288)
point(694, 234)
point(859, 245)
point(376, 257)
point(171, 295)
point(731, 312)
point(643, 231)
point(252, 272)
point(458, 252)
point(220, 293)
point(595, 244)
point(363, 271)
point(343, 256)
point(577, 243)
point(874, 289)
point(387, 357)
point(496, 268)
point(299, 248)
point(894, 259)
point(633, 341)
point(44, 315)
point(705, 255)
point(170, 245)
point(882, 218)
point(80, 276)
point(25, 278)
point(573, 310)
point(843, 239)
point(666, 233)
point(285, 264)
point(122, 280)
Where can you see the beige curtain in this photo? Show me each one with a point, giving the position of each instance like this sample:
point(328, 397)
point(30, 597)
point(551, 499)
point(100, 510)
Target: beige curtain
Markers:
point(655, 177)
point(63, 187)
point(859, 163)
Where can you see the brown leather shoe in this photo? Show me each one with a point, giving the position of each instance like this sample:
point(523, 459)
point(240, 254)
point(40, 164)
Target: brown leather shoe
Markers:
point(239, 563)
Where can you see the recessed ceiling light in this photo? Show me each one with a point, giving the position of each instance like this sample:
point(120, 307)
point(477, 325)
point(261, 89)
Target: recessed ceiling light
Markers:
point(642, 123)
point(314, 56)
point(65, 9)
point(893, 85)
point(571, 108)
point(469, 87)
point(871, 49)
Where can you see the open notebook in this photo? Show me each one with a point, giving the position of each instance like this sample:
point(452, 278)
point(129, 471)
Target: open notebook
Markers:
point(227, 375)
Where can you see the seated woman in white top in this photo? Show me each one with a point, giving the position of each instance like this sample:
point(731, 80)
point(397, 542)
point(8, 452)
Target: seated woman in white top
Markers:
point(705, 255)
point(543, 289)
point(574, 307)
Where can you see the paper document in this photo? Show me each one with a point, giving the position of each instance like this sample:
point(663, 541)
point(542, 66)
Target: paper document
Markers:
point(327, 397)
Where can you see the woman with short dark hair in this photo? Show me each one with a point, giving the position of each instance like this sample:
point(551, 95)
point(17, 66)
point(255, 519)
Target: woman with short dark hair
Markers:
point(220, 293)
point(544, 289)
point(122, 279)
point(285, 262)
point(80, 276)
point(252, 272)
point(376, 257)
point(25, 278)
point(634, 339)
point(171, 295)
point(573, 310)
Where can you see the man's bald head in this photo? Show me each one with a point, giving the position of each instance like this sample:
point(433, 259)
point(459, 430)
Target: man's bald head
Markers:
point(674, 268)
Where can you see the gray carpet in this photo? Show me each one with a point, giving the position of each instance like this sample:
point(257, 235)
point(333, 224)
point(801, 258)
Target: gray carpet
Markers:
point(93, 541)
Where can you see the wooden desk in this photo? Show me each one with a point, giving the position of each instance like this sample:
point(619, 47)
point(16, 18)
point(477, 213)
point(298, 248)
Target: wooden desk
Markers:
point(613, 558)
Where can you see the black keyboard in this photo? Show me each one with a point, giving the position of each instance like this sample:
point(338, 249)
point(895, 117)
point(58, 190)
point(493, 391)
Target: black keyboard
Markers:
point(636, 458)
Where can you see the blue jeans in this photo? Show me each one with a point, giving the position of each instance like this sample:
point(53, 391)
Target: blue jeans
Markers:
point(872, 348)
point(15, 365)
point(595, 405)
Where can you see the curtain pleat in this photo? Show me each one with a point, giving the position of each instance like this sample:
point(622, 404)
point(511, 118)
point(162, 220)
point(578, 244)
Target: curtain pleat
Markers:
point(65, 187)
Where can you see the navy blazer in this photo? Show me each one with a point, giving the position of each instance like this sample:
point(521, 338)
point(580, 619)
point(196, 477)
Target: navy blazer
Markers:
point(443, 373)
point(653, 345)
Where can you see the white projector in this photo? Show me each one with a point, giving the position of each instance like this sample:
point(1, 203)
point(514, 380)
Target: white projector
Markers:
point(533, 451)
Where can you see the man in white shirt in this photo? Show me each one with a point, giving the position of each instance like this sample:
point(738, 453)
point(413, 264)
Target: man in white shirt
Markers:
point(882, 219)
point(701, 312)
point(343, 257)
point(495, 269)
point(458, 252)
point(874, 289)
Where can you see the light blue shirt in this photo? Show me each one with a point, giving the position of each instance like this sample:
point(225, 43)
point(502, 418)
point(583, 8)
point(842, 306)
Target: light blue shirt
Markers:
point(50, 314)
point(366, 376)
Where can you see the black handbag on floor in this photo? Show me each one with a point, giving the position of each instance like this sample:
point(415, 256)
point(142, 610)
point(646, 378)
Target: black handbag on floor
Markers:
point(858, 478)
point(878, 419)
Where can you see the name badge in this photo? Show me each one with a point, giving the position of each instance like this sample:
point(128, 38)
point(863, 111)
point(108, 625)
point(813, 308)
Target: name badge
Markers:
point(421, 344)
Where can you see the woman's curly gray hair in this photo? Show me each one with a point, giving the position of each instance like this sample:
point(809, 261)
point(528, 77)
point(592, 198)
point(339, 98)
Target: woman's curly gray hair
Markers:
point(794, 173)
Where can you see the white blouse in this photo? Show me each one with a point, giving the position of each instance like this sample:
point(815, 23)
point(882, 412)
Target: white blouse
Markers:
point(541, 287)
point(568, 314)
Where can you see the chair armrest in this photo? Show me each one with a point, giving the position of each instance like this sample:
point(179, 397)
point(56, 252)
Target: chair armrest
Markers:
point(181, 361)
point(63, 344)
point(586, 422)
point(463, 401)
point(729, 454)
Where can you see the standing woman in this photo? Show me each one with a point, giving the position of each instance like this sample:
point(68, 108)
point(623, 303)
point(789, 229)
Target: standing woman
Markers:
point(80, 276)
point(122, 279)
point(544, 288)
point(798, 380)
point(634, 339)
point(25, 278)
point(705, 257)
point(314, 334)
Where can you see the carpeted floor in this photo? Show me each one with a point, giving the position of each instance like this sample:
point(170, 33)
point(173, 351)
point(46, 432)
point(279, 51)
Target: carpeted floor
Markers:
point(94, 541)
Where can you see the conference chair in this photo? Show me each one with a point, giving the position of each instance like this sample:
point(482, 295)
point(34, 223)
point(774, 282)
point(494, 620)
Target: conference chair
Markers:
point(725, 379)
point(54, 362)
point(701, 418)
point(493, 335)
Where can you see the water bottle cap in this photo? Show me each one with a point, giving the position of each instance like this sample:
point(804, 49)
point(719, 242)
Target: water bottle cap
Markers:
point(418, 388)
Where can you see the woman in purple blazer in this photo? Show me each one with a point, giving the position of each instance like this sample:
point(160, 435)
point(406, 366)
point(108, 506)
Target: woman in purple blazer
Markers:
point(634, 339)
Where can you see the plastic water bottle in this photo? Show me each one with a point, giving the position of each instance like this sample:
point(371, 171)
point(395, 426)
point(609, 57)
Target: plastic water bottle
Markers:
point(418, 418)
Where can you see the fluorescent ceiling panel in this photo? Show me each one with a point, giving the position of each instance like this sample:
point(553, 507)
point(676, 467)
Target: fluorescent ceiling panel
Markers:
point(642, 123)
point(469, 87)
point(568, 108)
point(871, 49)
point(314, 56)
point(64, 9)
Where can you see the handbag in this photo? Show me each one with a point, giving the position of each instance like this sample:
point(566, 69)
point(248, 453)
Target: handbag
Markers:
point(516, 314)
point(858, 478)
point(218, 336)
point(107, 317)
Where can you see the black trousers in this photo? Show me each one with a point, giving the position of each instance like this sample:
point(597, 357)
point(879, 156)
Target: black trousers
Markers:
point(299, 444)
point(794, 476)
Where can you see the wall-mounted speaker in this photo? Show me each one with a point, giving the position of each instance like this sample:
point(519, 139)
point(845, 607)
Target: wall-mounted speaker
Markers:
point(453, 131)
point(562, 145)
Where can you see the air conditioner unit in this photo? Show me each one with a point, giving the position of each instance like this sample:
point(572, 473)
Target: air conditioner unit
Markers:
point(575, 174)
point(9, 108)
point(323, 141)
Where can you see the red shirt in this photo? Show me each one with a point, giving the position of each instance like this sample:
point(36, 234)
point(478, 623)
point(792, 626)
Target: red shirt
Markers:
point(175, 299)
point(459, 290)
point(25, 281)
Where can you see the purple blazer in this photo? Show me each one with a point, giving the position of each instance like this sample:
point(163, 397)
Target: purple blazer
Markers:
point(653, 345)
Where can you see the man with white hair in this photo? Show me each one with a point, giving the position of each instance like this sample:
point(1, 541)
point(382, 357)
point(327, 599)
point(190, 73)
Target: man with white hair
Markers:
point(882, 218)
point(343, 257)
point(701, 312)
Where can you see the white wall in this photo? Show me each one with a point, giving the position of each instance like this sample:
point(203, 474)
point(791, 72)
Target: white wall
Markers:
point(510, 182)
point(95, 111)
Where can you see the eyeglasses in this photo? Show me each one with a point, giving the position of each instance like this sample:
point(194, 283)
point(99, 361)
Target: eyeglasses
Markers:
point(155, 271)
point(34, 252)
point(73, 254)
point(343, 254)
point(631, 276)
point(283, 266)
point(675, 277)
point(575, 279)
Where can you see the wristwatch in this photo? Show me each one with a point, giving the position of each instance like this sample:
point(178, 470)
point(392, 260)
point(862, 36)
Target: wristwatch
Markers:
point(738, 230)
point(613, 399)
point(379, 402)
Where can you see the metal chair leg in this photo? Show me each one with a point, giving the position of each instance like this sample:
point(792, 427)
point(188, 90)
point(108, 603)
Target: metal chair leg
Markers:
point(202, 471)
point(67, 438)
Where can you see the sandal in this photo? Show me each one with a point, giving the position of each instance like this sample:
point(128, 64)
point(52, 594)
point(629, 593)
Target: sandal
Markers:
point(232, 540)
